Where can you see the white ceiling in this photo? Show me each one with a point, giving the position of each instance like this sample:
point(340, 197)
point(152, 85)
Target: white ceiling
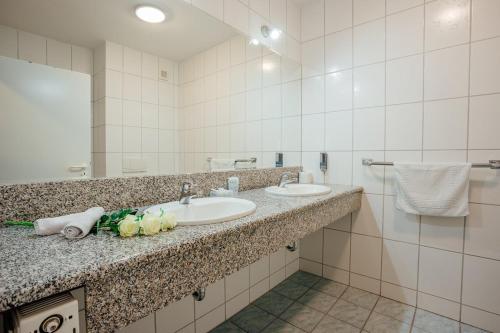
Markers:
point(89, 22)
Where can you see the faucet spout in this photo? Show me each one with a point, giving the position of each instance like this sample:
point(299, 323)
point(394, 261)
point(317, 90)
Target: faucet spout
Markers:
point(186, 193)
point(288, 178)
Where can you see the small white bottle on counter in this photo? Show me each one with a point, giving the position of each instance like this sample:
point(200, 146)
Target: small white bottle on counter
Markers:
point(233, 184)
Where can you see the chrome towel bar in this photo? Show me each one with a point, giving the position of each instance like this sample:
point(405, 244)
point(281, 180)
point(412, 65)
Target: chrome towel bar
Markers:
point(492, 164)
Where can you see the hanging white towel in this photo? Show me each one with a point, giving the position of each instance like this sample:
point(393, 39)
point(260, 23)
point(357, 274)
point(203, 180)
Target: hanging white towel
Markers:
point(81, 223)
point(221, 164)
point(432, 189)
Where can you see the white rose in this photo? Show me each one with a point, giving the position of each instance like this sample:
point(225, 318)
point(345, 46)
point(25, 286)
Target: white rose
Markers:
point(168, 221)
point(150, 224)
point(128, 227)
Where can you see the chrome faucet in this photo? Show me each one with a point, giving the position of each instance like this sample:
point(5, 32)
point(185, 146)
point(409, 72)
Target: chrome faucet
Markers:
point(288, 178)
point(186, 193)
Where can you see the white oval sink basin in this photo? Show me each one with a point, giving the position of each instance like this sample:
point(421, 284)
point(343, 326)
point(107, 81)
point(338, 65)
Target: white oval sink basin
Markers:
point(299, 190)
point(206, 210)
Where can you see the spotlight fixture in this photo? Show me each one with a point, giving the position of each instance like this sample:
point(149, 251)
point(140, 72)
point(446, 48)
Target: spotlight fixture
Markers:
point(254, 42)
point(150, 14)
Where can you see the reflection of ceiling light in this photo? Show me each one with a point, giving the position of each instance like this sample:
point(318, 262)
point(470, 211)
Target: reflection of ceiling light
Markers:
point(273, 33)
point(150, 14)
point(254, 41)
point(267, 66)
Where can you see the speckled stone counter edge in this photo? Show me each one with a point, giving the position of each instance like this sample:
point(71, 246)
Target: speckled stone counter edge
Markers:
point(32, 201)
point(166, 277)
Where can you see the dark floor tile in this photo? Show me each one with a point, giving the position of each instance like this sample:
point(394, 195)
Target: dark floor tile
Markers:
point(302, 316)
point(331, 325)
point(290, 289)
point(378, 323)
point(280, 326)
point(273, 302)
point(470, 329)
point(330, 287)
point(252, 319)
point(227, 327)
point(318, 300)
point(430, 322)
point(304, 278)
point(396, 310)
point(360, 297)
point(350, 313)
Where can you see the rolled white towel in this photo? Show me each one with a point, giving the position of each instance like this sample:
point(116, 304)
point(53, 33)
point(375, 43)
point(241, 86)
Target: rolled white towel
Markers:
point(81, 223)
point(55, 225)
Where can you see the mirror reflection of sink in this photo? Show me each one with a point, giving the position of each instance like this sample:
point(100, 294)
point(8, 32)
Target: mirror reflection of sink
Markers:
point(206, 210)
point(299, 190)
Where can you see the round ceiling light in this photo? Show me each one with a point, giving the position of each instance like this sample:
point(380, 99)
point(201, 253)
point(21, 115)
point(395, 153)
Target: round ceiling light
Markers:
point(150, 14)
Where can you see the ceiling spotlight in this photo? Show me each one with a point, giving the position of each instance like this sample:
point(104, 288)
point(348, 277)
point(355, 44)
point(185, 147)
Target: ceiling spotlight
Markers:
point(150, 14)
point(254, 42)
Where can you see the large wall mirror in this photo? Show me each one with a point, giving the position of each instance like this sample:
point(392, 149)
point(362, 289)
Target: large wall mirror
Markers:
point(87, 89)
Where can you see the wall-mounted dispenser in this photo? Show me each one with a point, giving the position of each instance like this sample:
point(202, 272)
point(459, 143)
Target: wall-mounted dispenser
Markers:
point(279, 160)
point(323, 162)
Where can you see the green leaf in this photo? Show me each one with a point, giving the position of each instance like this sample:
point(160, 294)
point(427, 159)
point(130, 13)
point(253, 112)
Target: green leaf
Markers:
point(24, 224)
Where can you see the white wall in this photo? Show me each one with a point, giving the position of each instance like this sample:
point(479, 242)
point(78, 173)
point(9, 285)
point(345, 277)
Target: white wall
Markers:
point(239, 101)
point(135, 113)
point(406, 81)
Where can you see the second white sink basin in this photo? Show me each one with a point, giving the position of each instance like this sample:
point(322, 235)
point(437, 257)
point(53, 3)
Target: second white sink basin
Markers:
point(206, 210)
point(299, 190)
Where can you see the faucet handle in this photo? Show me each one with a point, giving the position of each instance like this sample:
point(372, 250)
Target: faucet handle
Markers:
point(186, 186)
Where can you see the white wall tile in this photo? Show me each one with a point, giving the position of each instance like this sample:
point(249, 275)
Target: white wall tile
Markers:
point(447, 23)
point(479, 318)
point(237, 282)
point(369, 43)
point(483, 116)
point(371, 178)
point(114, 84)
point(32, 47)
point(146, 325)
point(259, 289)
point(368, 127)
point(485, 67)
point(313, 20)
point(338, 88)
point(336, 249)
point(8, 42)
point(291, 141)
point(484, 19)
point(399, 5)
point(482, 231)
point(132, 61)
point(368, 220)
point(81, 59)
point(404, 127)
point(214, 297)
point(338, 15)
point(445, 124)
point(338, 137)
point(236, 14)
point(400, 294)
point(400, 263)
point(238, 303)
point(271, 134)
point(338, 51)
point(366, 252)
point(440, 273)
point(311, 246)
point(212, 7)
point(446, 73)
point(439, 305)
point(399, 225)
point(480, 286)
point(313, 57)
point(404, 80)
point(342, 172)
point(176, 315)
point(369, 86)
point(211, 320)
point(131, 87)
point(277, 260)
point(313, 129)
point(484, 183)
point(292, 98)
point(367, 10)
point(58, 54)
point(365, 283)
point(405, 33)
point(445, 233)
point(149, 66)
point(313, 95)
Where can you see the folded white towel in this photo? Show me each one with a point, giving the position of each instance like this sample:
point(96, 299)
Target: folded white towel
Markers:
point(81, 224)
point(221, 164)
point(83, 221)
point(432, 189)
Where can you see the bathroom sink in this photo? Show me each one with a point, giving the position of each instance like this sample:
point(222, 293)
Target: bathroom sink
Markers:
point(206, 210)
point(299, 190)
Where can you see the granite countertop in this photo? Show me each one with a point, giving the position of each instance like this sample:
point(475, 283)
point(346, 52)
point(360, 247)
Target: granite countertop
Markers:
point(34, 267)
